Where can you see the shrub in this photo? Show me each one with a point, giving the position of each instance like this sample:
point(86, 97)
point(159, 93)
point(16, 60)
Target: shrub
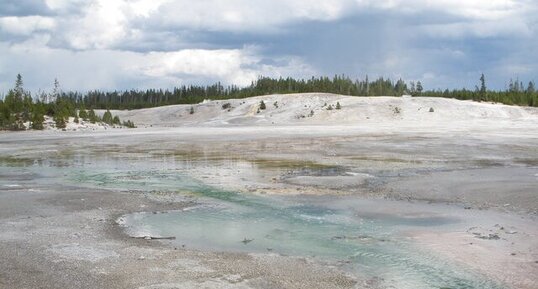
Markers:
point(107, 117)
point(60, 121)
point(83, 114)
point(129, 124)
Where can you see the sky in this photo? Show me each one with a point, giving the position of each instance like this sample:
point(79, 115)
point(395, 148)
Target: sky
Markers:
point(138, 44)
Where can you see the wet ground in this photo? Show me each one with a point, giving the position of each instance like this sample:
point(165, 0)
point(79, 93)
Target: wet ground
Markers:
point(354, 204)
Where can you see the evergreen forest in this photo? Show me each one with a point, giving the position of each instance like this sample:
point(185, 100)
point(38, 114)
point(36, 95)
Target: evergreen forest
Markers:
point(19, 107)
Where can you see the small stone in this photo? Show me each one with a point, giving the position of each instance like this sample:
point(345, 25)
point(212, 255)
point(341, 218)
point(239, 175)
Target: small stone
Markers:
point(141, 258)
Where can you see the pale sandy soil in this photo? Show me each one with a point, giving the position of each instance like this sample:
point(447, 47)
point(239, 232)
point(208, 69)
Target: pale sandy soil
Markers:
point(474, 155)
point(373, 112)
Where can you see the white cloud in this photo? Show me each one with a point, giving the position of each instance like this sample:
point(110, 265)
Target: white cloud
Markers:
point(470, 9)
point(481, 29)
point(26, 25)
point(107, 24)
point(247, 15)
point(112, 69)
point(103, 25)
point(122, 43)
point(64, 5)
point(238, 66)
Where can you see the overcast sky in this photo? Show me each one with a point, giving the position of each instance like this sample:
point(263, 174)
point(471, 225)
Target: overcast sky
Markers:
point(121, 44)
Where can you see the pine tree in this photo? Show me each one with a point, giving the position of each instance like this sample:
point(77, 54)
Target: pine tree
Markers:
point(92, 116)
point(338, 105)
point(19, 90)
point(531, 88)
point(483, 90)
point(262, 105)
point(55, 91)
point(59, 120)
point(107, 117)
point(129, 124)
point(419, 88)
point(15, 97)
point(83, 114)
point(37, 120)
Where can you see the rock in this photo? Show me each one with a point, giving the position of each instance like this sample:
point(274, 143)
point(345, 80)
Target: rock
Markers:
point(488, 237)
point(141, 258)
point(431, 109)
point(246, 241)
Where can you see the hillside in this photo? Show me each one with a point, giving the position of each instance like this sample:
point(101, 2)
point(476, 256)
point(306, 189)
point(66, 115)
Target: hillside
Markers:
point(312, 109)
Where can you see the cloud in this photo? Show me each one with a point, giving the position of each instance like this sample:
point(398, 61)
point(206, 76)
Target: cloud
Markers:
point(119, 24)
point(23, 8)
point(113, 69)
point(142, 43)
point(512, 27)
point(237, 66)
point(247, 15)
point(26, 25)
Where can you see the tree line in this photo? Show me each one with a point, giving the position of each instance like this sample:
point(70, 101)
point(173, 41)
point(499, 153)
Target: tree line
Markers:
point(18, 106)
point(19, 110)
point(191, 94)
point(516, 94)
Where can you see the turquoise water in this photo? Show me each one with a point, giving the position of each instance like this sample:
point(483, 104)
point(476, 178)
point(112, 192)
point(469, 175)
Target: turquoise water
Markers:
point(358, 235)
point(366, 237)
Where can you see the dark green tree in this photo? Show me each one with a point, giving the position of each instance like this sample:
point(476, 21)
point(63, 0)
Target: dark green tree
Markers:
point(107, 117)
point(129, 124)
point(92, 116)
point(38, 118)
point(59, 120)
point(531, 89)
point(483, 89)
point(83, 114)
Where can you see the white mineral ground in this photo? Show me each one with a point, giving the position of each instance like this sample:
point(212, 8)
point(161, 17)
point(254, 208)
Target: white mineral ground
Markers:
point(481, 156)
